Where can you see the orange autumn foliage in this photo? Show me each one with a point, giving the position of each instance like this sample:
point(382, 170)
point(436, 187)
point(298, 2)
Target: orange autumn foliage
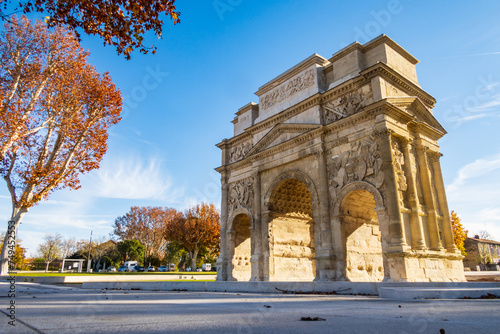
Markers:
point(120, 23)
point(199, 227)
point(53, 139)
point(146, 225)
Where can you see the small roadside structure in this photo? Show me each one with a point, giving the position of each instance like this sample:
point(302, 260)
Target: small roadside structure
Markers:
point(482, 254)
point(72, 265)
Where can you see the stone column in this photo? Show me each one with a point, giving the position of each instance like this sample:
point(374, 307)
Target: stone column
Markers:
point(430, 201)
point(229, 255)
point(256, 234)
point(266, 251)
point(339, 248)
point(324, 254)
point(447, 228)
point(221, 264)
point(417, 233)
point(395, 224)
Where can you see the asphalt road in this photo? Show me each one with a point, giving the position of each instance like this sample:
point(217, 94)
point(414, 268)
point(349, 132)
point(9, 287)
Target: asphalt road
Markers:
point(53, 309)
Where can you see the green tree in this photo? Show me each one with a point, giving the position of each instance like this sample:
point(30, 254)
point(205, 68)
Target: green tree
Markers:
point(130, 250)
point(459, 233)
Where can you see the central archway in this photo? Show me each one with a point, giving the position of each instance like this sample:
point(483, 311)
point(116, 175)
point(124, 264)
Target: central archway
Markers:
point(291, 232)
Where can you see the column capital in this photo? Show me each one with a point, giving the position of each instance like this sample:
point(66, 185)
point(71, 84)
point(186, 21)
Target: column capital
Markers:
point(383, 133)
point(435, 156)
point(421, 149)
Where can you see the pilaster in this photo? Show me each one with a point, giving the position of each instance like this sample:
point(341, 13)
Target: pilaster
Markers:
point(395, 224)
point(441, 193)
point(430, 201)
point(417, 233)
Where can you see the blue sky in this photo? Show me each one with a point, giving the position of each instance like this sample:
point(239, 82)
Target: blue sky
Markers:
point(179, 103)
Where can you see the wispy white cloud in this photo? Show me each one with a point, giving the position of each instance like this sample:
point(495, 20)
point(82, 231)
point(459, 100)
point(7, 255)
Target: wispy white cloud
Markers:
point(490, 105)
point(134, 178)
point(475, 195)
point(476, 169)
point(473, 117)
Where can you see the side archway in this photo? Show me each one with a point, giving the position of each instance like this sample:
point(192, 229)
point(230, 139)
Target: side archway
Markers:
point(240, 245)
point(360, 209)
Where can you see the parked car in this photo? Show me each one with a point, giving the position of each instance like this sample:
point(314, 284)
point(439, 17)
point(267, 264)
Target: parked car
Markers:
point(199, 269)
point(138, 268)
point(123, 269)
point(162, 268)
point(150, 268)
point(188, 269)
point(206, 267)
point(111, 270)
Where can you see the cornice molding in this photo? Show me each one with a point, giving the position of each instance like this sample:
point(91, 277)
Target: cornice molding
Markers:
point(394, 77)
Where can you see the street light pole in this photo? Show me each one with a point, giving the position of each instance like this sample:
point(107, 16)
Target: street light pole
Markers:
point(89, 261)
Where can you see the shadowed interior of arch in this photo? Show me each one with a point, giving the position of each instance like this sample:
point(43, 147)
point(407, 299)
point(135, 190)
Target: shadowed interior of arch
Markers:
point(241, 268)
point(362, 237)
point(291, 233)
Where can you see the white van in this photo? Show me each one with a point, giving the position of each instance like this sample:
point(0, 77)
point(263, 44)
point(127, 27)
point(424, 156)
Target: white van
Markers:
point(206, 267)
point(130, 265)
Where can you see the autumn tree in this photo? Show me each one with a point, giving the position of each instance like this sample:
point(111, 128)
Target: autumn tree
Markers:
point(74, 111)
point(459, 233)
point(198, 228)
point(31, 56)
point(146, 225)
point(120, 23)
point(50, 249)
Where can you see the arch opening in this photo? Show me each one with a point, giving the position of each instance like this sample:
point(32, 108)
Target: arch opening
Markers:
point(362, 238)
point(241, 267)
point(291, 233)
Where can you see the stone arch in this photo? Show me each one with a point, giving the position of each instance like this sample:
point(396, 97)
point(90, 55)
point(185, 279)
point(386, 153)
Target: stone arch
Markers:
point(237, 212)
point(358, 185)
point(294, 174)
point(240, 231)
point(361, 212)
point(291, 228)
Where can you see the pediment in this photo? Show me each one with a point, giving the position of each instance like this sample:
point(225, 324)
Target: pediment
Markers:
point(415, 107)
point(281, 133)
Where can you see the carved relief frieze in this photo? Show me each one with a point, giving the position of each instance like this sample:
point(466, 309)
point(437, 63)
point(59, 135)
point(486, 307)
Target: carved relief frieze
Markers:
point(398, 163)
point(287, 89)
point(238, 152)
point(361, 163)
point(347, 105)
point(241, 194)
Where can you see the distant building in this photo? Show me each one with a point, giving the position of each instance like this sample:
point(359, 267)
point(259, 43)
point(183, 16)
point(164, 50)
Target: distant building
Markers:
point(482, 254)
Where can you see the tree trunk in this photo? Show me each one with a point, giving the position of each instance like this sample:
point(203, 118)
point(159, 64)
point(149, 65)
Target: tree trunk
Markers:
point(47, 266)
point(16, 217)
point(194, 255)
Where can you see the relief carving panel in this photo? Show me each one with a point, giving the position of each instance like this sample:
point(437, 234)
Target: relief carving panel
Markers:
point(287, 89)
point(348, 105)
point(361, 163)
point(238, 152)
point(241, 194)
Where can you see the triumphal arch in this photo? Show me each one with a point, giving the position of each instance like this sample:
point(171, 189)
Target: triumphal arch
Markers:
point(335, 175)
